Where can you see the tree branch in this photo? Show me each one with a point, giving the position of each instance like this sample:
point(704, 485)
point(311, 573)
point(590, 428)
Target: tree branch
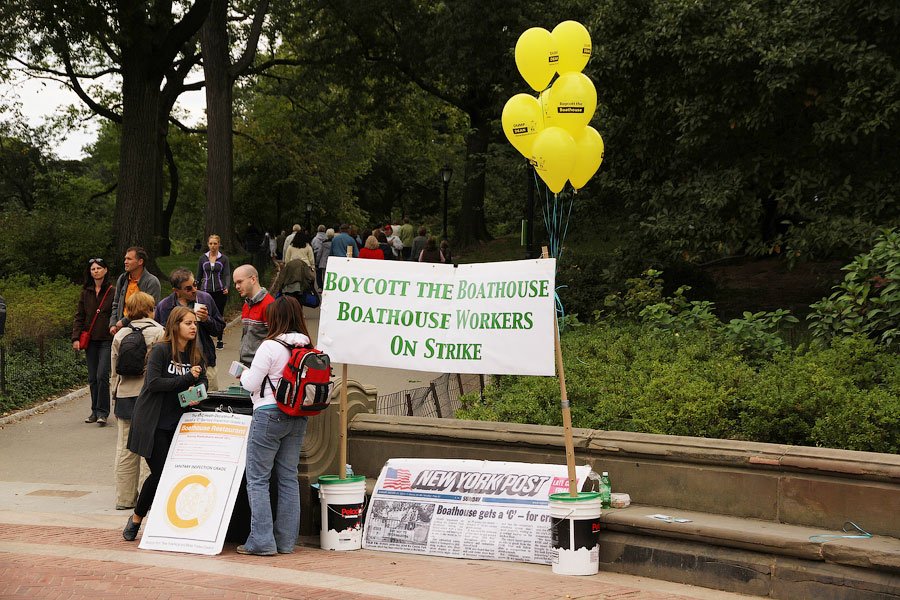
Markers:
point(246, 59)
point(76, 87)
point(48, 70)
point(182, 31)
point(108, 190)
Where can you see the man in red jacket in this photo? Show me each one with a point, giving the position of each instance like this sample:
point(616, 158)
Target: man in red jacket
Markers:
point(253, 314)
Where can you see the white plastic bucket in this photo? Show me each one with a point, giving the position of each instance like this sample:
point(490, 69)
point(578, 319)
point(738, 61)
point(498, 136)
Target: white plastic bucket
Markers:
point(343, 502)
point(575, 534)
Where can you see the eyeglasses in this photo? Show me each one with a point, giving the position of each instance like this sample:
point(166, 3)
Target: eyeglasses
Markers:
point(99, 261)
point(188, 288)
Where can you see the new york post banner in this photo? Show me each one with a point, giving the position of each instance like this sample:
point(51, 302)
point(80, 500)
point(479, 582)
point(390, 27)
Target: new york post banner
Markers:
point(465, 508)
point(492, 318)
point(199, 484)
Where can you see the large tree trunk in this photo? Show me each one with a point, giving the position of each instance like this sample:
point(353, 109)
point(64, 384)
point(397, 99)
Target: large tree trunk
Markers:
point(219, 114)
point(140, 162)
point(471, 225)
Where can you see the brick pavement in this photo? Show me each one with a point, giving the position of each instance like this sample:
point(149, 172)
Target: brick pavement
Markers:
point(80, 562)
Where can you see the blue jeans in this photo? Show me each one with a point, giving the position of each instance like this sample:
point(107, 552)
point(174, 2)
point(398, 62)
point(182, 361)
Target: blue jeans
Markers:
point(274, 446)
point(98, 363)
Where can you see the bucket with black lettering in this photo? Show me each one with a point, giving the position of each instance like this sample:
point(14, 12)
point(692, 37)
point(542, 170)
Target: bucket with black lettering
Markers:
point(575, 533)
point(343, 502)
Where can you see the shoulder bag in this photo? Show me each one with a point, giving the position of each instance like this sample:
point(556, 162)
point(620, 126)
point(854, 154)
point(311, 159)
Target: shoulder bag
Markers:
point(84, 339)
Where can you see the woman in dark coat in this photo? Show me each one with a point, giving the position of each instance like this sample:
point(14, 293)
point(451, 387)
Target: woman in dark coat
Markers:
point(95, 306)
point(174, 365)
point(431, 253)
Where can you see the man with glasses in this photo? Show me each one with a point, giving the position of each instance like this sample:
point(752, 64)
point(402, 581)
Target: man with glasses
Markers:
point(253, 314)
point(135, 279)
point(210, 321)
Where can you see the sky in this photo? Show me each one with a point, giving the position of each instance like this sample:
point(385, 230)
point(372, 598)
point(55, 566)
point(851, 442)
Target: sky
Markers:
point(41, 98)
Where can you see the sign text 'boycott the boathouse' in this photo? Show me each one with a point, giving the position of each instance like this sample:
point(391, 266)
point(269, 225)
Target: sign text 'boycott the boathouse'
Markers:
point(481, 318)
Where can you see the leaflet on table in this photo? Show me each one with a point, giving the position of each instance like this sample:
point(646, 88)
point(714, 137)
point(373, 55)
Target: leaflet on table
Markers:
point(199, 484)
point(465, 508)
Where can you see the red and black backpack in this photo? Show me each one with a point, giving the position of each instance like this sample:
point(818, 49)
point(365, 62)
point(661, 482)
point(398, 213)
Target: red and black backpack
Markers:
point(305, 387)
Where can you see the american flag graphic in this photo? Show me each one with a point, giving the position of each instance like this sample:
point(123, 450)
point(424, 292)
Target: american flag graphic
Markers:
point(396, 479)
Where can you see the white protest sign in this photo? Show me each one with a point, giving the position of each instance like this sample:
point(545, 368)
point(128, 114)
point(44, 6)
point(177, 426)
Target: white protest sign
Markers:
point(465, 508)
point(492, 318)
point(199, 484)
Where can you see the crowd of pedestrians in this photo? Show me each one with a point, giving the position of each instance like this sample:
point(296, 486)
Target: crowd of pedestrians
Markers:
point(143, 349)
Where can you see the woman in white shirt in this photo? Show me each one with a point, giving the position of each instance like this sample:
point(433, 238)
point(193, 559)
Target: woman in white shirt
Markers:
point(275, 437)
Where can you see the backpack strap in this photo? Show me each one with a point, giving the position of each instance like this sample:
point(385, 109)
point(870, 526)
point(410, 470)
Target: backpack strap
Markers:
point(262, 387)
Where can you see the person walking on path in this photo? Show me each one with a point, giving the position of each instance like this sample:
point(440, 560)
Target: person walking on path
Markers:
point(322, 262)
point(175, 364)
point(209, 322)
point(394, 241)
point(407, 235)
point(371, 249)
point(300, 248)
point(131, 470)
point(431, 253)
point(214, 275)
point(275, 438)
point(418, 244)
point(289, 239)
point(342, 241)
point(135, 278)
point(254, 327)
point(95, 305)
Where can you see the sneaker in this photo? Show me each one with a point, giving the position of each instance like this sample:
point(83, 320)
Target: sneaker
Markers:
point(242, 549)
point(219, 345)
point(101, 421)
point(91, 419)
point(131, 530)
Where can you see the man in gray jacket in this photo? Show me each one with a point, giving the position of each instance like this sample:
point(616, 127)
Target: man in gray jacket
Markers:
point(135, 278)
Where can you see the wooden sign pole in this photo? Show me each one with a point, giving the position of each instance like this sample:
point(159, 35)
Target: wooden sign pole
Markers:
point(342, 467)
point(564, 402)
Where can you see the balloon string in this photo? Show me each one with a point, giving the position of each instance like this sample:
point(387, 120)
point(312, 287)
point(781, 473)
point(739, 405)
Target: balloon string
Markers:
point(557, 215)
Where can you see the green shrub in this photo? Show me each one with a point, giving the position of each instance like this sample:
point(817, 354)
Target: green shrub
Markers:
point(31, 376)
point(39, 306)
point(867, 302)
point(698, 383)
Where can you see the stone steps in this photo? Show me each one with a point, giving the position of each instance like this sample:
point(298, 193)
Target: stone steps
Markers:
point(749, 556)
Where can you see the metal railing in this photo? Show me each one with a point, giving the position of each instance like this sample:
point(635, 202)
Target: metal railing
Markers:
point(439, 399)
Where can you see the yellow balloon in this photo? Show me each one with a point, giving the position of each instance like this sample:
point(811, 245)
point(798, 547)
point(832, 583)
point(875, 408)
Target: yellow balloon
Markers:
point(573, 100)
point(553, 155)
point(536, 57)
point(588, 157)
point(522, 120)
point(574, 44)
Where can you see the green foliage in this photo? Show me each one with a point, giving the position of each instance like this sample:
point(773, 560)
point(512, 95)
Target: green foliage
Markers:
point(39, 307)
point(846, 396)
point(757, 336)
point(749, 127)
point(32, 374)
point(867, 302)
point(697, 384)
point(58, 220)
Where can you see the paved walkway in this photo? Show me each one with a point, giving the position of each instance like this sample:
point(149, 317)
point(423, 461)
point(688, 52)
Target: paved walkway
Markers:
point(61, 538)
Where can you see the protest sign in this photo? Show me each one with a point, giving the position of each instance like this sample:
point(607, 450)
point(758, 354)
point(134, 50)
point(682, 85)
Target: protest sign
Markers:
point(465, 508)
point(199, 484)
point(481, 318)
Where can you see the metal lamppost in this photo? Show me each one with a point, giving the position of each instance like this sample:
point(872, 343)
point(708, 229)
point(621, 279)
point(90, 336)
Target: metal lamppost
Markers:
point(446, 174)
point(309, 218)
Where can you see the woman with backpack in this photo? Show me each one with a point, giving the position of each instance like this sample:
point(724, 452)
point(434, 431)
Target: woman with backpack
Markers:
point(127, 365)
point(174, 365)
point(275, 437)
point(91, 334)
